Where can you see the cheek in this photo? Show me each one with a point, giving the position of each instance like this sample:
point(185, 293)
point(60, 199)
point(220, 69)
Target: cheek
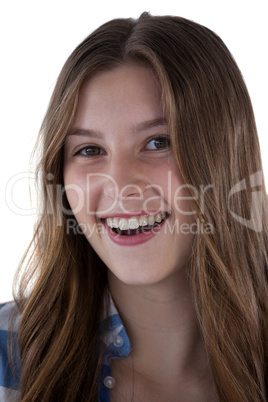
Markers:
point(80, 190)
point(75, 191)
point(82, 202)
point(183, 206)
point(181, 200)
point(89, 193)
point(75, 184)
point(174, 190)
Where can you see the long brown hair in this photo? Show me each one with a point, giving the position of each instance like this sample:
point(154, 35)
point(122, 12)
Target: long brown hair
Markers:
point(215, 143)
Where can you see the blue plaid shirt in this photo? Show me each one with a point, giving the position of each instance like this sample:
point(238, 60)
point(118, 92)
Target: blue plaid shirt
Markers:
point(116, 346)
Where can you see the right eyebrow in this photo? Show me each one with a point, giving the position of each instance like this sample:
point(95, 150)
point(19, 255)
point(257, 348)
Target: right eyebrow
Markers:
point(146, 125)
point(85, 133)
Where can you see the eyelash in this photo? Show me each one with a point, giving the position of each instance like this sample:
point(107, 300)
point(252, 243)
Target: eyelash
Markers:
point(160, 138)
point(90, 147)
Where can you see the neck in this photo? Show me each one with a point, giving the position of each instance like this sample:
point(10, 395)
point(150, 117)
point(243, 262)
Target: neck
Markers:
point(161, 323)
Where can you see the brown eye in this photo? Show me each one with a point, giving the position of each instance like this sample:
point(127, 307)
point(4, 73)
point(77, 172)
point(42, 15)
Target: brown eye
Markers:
point(158, 143)
point(91, 151)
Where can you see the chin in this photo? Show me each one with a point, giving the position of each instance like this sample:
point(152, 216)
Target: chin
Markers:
point(136, 278)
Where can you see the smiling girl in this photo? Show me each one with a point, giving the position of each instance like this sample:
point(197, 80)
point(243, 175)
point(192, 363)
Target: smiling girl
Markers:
point(149, 136)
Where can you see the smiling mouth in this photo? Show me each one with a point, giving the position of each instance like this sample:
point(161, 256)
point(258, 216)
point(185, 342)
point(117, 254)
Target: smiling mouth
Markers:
point(136, 224)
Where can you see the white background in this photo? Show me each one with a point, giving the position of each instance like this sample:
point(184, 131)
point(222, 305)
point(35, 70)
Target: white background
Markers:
point(36, 39)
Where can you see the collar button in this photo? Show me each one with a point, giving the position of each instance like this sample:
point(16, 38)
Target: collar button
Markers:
point(118, 341)
point(109, 382)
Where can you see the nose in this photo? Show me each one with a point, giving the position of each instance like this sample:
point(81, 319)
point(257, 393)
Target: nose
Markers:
point(131, 190)
point(127, 179)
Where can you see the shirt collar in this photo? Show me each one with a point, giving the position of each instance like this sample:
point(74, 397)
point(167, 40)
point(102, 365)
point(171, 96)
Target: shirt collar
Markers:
point(114, 336)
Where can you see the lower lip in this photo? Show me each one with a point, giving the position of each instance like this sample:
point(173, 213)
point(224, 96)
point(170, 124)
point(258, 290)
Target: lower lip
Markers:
point(135, 239)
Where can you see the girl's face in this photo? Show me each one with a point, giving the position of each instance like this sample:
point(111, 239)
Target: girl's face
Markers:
point(121, 179)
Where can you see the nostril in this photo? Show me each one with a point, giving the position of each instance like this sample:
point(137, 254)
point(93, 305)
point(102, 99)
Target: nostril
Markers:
point(116, 191)
point(131, 190)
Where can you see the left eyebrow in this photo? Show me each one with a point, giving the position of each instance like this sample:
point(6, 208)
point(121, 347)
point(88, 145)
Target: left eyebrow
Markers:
point(85, 133)
point(146, 125)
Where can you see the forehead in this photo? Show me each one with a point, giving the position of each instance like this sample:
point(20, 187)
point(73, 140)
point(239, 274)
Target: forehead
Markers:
point(124, 77)
point(127, 91)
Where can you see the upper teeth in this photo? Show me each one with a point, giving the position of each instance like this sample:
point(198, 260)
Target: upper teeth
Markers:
point(135, 221)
